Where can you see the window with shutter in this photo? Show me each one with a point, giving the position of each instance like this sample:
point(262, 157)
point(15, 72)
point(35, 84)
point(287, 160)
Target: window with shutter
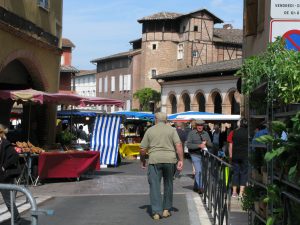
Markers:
point(129, 82)
point(105, 84)
point(251, 17)
point(125, 82)
point(261, 15)
point(121, 83)
point(100, 84)
point(113, 86)
point(180, 51)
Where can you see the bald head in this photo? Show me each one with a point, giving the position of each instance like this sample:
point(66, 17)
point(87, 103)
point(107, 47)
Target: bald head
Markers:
point(161, 117)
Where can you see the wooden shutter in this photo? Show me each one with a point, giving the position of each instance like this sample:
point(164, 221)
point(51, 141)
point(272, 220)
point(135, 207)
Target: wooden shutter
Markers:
point(251, 17)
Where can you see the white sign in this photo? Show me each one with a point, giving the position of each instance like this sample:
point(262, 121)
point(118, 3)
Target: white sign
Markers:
point(285, 9)
point(281, 27)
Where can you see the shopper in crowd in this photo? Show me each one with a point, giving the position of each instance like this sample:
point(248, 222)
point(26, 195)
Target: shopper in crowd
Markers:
point(6, 158)
point(238, 155)
point(162, 143)
point(218, 141)
point(81, 134)
point(181, 132)
point(198, 140)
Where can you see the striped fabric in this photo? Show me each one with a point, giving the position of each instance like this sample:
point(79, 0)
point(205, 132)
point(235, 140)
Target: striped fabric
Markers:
point(105, 138)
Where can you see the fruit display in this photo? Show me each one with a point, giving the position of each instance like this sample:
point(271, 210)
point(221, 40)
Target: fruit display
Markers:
point(27, 147)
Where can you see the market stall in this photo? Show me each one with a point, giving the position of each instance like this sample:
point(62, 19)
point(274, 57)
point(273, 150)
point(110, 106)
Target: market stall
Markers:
point(131, 149)
point(134, 126)
point(55, 164)
point(71, 164)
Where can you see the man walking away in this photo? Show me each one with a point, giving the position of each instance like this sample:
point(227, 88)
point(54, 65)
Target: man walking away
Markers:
point(159, 141)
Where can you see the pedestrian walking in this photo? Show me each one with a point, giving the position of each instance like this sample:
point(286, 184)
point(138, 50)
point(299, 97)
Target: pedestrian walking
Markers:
point(8, 157)
point(161, 142)
point(198, 140)
point(181, 133)
point(238, 155)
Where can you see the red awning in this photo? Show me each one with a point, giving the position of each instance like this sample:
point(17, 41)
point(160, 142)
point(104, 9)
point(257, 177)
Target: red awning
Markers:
point(56, 98)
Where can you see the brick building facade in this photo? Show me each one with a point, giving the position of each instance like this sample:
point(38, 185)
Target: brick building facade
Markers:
point(173, 42)
point(117, 78)
point(67, 71)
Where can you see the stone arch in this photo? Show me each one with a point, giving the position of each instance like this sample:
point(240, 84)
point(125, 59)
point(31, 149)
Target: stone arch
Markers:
point(32, 65)
point(35, 117)
point(215, 101)
point(185, 101)
point(199, 101)
point(232, 100)
point(172, 103)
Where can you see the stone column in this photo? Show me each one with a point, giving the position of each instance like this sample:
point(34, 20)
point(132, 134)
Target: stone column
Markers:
point(226, 109)
point(209, 107)
point(194, 107)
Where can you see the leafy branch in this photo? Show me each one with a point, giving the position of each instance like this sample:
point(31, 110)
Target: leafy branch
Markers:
point(277, 66)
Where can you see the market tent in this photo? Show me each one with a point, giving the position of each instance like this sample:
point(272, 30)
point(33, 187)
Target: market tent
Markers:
point(105, 138)
point(136, 115)
point(56, 98)
point(207, 116)
point(75, 112)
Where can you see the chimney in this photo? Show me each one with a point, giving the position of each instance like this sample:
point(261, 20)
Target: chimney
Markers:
point(227, 26)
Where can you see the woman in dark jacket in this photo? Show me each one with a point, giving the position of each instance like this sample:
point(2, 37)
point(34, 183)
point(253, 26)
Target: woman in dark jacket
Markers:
point(6, 157)
point(238, 154)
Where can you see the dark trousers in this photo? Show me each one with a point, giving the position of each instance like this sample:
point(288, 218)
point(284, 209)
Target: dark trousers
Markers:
point(6, 198)
point(240, 172)
point(155, 173)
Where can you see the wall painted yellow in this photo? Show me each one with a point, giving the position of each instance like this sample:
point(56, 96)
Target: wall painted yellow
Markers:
point(29, 10)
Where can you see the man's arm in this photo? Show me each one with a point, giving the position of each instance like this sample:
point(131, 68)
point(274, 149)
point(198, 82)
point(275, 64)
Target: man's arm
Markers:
point(143, 152)
point(179, 151)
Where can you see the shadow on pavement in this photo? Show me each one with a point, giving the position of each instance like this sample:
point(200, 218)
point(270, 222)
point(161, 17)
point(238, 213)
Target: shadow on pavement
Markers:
point(105, 173)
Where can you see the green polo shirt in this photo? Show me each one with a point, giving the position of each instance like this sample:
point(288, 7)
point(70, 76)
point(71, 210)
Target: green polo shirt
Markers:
point(160, 140)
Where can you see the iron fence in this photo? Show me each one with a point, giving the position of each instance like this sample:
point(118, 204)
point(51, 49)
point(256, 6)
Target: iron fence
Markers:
point(35, 212)
point(216, 179)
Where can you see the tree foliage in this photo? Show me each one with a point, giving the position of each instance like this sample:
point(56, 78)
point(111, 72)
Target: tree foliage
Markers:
point(277, 66)
point(145, 96)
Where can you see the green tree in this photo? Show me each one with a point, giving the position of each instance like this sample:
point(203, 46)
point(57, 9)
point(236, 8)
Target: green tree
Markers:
point(145, 96)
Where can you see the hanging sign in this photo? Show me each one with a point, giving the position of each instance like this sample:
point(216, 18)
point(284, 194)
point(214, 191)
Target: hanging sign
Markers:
point(285, 9)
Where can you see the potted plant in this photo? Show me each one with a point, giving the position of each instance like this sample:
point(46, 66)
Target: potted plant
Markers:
point(273, 197)
point(251, 194)
point(286, 152)
point(279, 68)
point(66, 138)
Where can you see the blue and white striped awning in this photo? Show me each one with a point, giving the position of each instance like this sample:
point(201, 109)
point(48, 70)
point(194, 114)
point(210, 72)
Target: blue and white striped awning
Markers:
point(105, 138)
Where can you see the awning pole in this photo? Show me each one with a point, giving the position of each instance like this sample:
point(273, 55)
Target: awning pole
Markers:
point(29, 122)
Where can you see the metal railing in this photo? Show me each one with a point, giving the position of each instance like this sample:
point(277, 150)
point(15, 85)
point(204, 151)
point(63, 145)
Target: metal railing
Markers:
point(35, 212)
point(216, 179)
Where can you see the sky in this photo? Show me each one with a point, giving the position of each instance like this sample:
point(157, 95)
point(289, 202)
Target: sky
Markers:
point(100, 28)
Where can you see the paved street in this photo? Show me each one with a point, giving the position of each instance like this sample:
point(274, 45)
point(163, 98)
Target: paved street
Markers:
point(118, 196)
